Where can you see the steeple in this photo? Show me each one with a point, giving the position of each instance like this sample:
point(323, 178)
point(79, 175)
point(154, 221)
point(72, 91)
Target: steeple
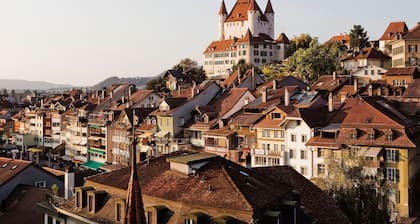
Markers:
point(222, 10)
point(269, 8)
point(253, 6)
point(134, 212)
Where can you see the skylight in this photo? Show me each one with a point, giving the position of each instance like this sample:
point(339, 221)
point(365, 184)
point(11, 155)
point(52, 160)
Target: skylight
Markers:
point(14, 167)
point(4, 165)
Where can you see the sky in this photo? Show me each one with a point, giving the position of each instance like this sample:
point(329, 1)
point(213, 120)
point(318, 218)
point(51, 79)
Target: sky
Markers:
point(81, 42)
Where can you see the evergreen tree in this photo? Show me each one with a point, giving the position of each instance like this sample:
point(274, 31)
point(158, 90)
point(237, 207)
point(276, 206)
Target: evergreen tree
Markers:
point(358, 38)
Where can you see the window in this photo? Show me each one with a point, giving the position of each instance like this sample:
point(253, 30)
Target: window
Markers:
point(413, 61)
point(260, 160)
point(78, 205)
point(392, 174)
point(268, 133)
point(150, 217)
point(303, 170)
point(264, 53)
point(292, 154)
point(42, 184)
point(304, 138)
point(257, 60)
point(57, 222)
point(293, 137)
point(321, 169)
point(90, 203)
point(392, 155)
point(303, 154)
point(256, 53)
point(276, 134)
point(189, 221)
point(320, 153)
point(276, 147)
point(118, 211)
point(264, 60)
point(389, 137)
point(275, 116)
point(281, 134)
point(263, 133)
point(371, 135)
point(255, 45)
point(412, 48)
point(50, 220)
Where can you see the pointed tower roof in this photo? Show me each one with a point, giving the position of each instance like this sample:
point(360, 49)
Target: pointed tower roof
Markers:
point(269, 8)
point(134, 212)
point(253, 6)
point(283, 39)
point(222, 10)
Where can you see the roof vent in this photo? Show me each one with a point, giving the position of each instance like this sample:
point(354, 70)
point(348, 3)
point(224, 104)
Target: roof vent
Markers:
point(4, 165)
point(14, 167)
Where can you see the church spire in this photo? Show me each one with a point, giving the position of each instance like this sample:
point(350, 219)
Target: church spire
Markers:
point(134, 212)
point(269, 8)
point(253, 6)
point(222, 10)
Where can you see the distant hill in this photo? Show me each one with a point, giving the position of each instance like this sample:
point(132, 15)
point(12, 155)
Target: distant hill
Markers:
point(140, 82)
point(32, 85)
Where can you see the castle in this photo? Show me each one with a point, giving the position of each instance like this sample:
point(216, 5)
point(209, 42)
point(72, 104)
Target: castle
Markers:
point(245, 33)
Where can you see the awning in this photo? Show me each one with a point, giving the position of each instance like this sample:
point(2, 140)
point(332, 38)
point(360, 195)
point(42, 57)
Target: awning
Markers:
point(161, 134)
point(372, 152)
point(92, 165)
point(97, 151)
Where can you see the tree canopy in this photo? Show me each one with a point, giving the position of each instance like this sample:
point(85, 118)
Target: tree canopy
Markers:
point(302, 41)
point(358, 38)
point(316, 60)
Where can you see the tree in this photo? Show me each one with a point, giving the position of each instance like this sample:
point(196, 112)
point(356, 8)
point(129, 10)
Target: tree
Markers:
point(157, 84)
point(275, 69)
point(312, 62)
point(4, 92)
point(358, 38)
point(13, 93)
point(302, 41)
point(242, 66)
point(361, 197)
point(191, 67)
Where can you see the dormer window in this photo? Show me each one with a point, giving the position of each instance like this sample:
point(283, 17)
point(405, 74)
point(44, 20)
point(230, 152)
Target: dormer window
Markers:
point(276, 116)
point(353, 134)
point(389, 135)
point(119, 210)
point(371, 135)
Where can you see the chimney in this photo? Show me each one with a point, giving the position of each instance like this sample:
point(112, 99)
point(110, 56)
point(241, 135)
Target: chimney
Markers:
point(103, 94)
point(68, 183)
point(239, 76)
point(330, 102)
point(286, 97)
point(111, 94)
point(334, 75)
point(179, 90)
point(122, 99)
point(274, 84)
point(370, 90)
point(81, 96)
point(42, 103)
point(194, 84)
point(264, 95)
point(130, 91)
point(192, 92)
point(356, 88)
point(379, 91)
point(253, 80)
point(246, 101)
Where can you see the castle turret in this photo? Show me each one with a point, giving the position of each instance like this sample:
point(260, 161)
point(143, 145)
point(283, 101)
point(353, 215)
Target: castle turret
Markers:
point(269, 13)
point(253, 17)
point(222, 19)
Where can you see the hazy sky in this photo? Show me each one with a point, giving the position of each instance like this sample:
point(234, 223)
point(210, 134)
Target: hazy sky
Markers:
point(81, 42)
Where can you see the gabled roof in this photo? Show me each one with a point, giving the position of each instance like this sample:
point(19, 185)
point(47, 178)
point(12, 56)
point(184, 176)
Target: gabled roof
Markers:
point(283, 39)
point(393, 29)
point(269, 8)
point(228, 100)
point(411, 71)
point(371, 53)
point(220, 45)
point(343, 39)
point(413, 33)
point(9, 168)
point(247, 189)
point(222, 10)
point(240, 11)
point(413, 90)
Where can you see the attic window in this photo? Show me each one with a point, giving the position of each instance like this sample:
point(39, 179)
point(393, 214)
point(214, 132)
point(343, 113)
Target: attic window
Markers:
point(14, 167)
point(369, 120)
point(4, 165)
point(371, 135)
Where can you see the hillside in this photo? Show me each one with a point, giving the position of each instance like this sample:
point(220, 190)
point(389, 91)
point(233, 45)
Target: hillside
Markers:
point(32, 85)
point(138, 81)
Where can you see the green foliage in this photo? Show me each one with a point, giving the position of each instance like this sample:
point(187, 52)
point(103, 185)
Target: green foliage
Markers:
point(275, 69)
point(358, 38)
point(191, 67)
point(4, 92)
point(54, 189)
point(242, 66)
point(360, 197)
point(316, 60)
point(157, 84)
point(302, 41)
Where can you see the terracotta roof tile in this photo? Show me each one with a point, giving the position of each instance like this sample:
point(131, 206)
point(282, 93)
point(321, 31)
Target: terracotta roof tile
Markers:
point(222, 10)
point(393, 29)
point(240, 11)
point(344, 39)
point(9, 168)
point(413, 33)
point(283, 39)
point(412, 71)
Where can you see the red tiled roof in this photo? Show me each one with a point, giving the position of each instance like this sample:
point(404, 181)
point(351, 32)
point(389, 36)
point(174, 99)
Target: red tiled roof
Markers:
point(344, 39)
point(393, 29)
point(222, 10)
point(412, 71)
point(240, 11)
point(228, 100)
point(283, 39)
point(221, 45)
point(323, 142)
point(370, 53)
point(7, 172)
point(413, 33)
